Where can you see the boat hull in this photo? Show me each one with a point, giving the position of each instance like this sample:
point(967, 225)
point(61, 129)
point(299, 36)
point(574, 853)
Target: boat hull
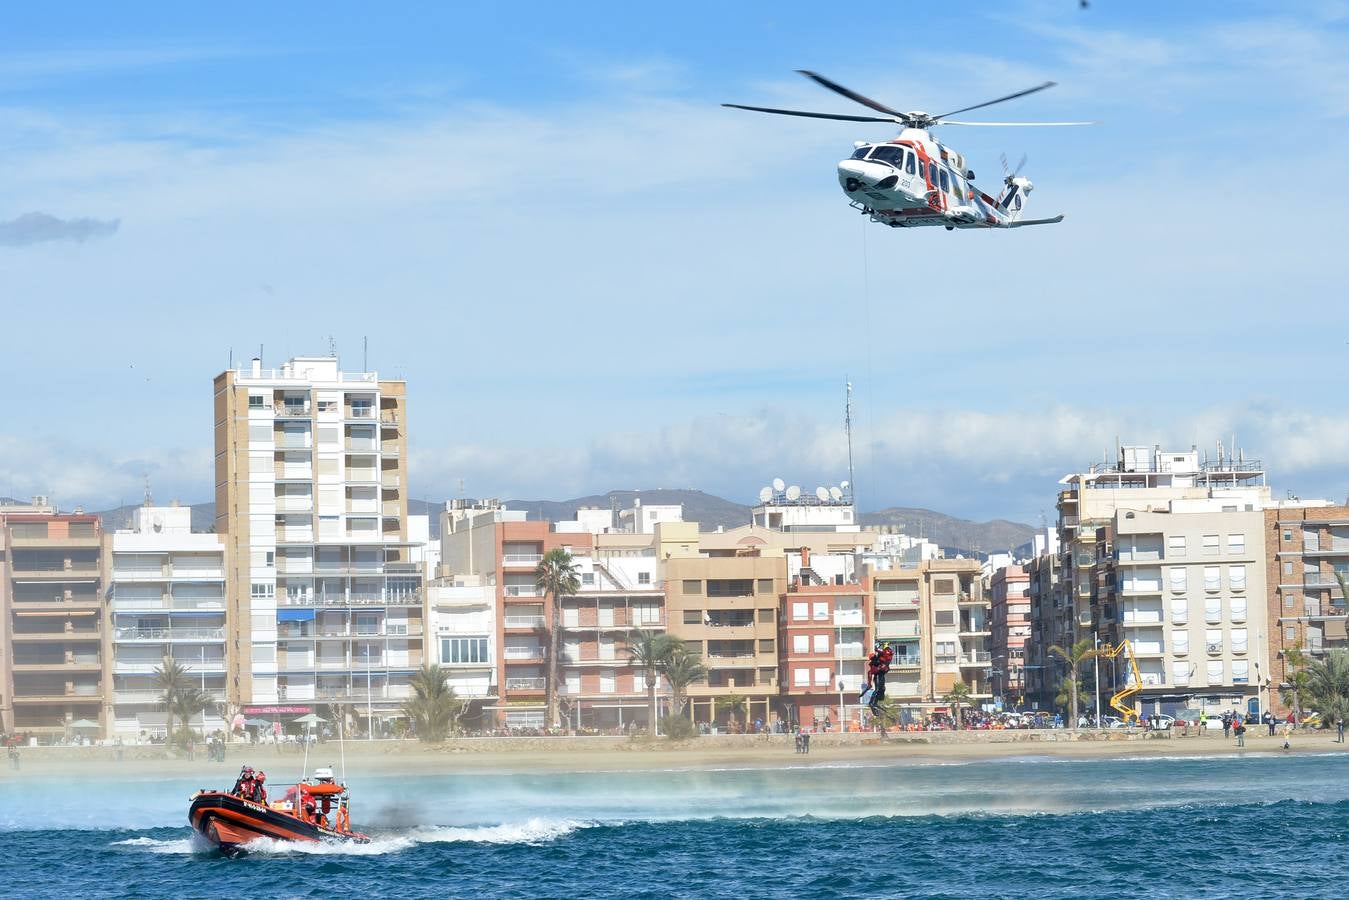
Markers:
point(229, 823)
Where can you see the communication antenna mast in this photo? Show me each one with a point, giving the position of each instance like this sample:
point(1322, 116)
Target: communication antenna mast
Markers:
point(847, 427)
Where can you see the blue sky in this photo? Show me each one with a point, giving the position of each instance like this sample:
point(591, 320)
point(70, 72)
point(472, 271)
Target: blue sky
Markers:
point(595, 277)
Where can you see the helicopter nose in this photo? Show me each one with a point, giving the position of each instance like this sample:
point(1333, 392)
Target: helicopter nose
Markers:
point(855, 174)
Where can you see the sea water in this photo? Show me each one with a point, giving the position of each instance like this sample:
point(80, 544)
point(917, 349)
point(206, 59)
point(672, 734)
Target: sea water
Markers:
point(1260, 825)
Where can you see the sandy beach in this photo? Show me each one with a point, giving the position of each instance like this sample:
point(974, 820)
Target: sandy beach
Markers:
point(590, 754)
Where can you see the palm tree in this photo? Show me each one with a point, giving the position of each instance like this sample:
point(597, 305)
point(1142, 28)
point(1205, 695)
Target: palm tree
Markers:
point(187, 702)
point(647, 650)
point(556, 577)
point(1065, 697)
point(433, 709)
point(170, 680)
point(886, 715)
point(1298, 681)
point(956, 697)
point(732, 704)
point(1079, 653)
point(1328, 685)
point(681, 667)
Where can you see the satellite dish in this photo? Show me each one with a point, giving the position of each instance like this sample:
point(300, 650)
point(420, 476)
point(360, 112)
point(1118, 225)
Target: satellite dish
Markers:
point(793, 492)
point(778, 484)
point(835, 494)
point(765, 494)
point(822, 493)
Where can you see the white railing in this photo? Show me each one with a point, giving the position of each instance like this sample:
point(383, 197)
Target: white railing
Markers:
point(524, 621)
point(975, 657)
point(361, 412)
point(910, 660)
point(522, 590)
point(210, 665)
point(524, 653)
point(169, 634)
point(525, 684)
point(522, 559)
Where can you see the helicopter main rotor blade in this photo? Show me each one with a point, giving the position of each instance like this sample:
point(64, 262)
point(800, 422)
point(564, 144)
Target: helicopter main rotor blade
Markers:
point(812, 115)
point(1040, 87)
point(853, 95)
point(1013, 124)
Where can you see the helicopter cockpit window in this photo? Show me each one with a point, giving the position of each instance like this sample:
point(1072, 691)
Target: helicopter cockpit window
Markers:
point(945, 185)
point(908, 163)
point(889, 154)
point(861, 152)
point(932, 174)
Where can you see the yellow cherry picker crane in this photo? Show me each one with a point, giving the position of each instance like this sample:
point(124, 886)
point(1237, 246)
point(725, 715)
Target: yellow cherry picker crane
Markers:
point(1127, 713)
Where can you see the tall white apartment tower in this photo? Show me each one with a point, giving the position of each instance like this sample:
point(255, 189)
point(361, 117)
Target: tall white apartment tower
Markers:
point(325, 599)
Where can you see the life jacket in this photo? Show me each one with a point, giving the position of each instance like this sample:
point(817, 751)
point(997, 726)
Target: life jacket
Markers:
point(887, 656)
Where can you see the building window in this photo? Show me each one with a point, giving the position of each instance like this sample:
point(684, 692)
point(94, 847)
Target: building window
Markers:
point(255, 401)
point(1178, 583)
point(800, 643)
point(1236, 544)
point(692, 586)
point(1288, 568)
point(588, 579)
point(821, 610)
point(1240, 671)
point(765, 645)
point(1212, 578)
point(765, 586)
point(1236, 578)
point(643, 577)
point(801, 677)
point(944, 616)
point(1290, 633)
point(943, 586)
point(766, 616)
point(800, 612)
point(1180, 611)
point(1210, 545)
point(463, 650)
point(1287, 535)
point(261, 591)
point(822, 677)
point(821, 643)
point(1175, 545)
point(693, 617)
point(1180, 642)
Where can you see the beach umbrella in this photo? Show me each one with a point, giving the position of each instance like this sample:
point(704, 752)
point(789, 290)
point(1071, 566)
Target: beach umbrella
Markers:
point(257, 723)
point(84, 723)
point(310, 719)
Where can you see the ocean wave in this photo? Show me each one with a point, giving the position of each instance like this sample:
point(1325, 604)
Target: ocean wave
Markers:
point(534, 831)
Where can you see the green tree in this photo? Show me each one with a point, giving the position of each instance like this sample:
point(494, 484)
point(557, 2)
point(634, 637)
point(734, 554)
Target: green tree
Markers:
point(170, 681)
point(957, 697)
point(1328, 686)
point(1074, 656)
point(732, 704)
point(188, 701)
point(1297, 680)
point(887, 715)
point(433, 708)
point(681, 667)
point(647, 651)
point(556, 577)
point(1067, 688)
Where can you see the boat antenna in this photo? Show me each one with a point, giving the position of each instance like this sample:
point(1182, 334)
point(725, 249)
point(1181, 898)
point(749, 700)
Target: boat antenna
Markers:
point(309, 733)
point(342, 743)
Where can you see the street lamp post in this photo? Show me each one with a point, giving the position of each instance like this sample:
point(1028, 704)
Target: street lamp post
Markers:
point(1096, 666)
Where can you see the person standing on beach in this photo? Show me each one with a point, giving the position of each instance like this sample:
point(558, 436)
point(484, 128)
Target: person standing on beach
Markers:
point(1239, 727)
point(1339, 729)
point(14, 757)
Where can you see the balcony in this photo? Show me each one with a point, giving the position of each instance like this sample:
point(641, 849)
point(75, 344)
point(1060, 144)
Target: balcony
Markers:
point(518, 560)
point(72, 636)
point(520, 590)
point(361, 476)
point(976, 658)
point(148, 668)
point(388, 418)
point(159, 635)
point(524, 654)
point(293, 411)
point(295, 504)
point(526, 684)
point(80, 662)
point(389, 450)
point(361, 413)
point(908, 661)
point(399, 598)
point(524, 621)
point(966, 599)
point(390, 482)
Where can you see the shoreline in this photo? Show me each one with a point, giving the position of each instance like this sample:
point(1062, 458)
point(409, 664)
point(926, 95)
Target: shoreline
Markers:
point(582, 754)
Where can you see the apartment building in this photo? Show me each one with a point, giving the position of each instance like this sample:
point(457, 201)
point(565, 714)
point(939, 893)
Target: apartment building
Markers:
point(936, 617)
point(824, 637)
point(503, 549)
point(621, 591)
point(54, 672)
point(1051, 613)
point(1306, 548)
point(462, 620)
point(1140, 478)
point(726, 609)
point(1185, 586)
point(325, 600)
point(1010, 615)
point(166, 600)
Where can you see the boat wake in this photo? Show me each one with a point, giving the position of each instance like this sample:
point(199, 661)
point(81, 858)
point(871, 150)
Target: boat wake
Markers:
point(533, 831)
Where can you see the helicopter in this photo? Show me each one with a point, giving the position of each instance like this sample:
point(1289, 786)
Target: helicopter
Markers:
point(915, 180)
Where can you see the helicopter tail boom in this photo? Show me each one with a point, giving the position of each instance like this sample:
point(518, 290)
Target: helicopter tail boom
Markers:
point(1024, 222)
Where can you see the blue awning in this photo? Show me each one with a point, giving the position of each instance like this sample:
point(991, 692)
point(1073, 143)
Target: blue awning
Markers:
point(294, 615)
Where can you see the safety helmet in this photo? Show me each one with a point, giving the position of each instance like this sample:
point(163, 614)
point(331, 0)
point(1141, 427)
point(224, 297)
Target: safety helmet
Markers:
point(247, 770)
point(262, 776)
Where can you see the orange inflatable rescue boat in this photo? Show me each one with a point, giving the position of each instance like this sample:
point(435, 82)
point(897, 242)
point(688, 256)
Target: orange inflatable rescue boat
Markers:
point(314, 810)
